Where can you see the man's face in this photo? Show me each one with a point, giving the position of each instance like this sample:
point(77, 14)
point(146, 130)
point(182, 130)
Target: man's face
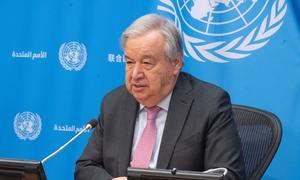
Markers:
point(150, 75)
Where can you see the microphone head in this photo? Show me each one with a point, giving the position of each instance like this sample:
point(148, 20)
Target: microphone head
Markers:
point(92, 123)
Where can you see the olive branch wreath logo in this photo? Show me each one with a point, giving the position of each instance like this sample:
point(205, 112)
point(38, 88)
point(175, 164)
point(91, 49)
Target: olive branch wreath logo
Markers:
point(80, 48)
point(21, 133)
point(240, 47)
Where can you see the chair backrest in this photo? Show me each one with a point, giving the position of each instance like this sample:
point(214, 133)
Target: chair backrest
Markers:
point(260, 132)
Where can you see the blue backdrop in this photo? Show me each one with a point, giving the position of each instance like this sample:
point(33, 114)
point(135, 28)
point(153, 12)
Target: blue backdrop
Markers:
point(59, 57)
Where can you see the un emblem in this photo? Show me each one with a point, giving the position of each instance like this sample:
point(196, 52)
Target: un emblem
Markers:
point(224, 30)
point(72, 55)
point(27, 125)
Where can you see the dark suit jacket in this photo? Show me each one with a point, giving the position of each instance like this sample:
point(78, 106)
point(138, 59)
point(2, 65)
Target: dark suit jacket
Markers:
point(199, 133)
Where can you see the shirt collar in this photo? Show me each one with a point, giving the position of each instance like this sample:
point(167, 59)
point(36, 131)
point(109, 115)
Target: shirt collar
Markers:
point(164, 104)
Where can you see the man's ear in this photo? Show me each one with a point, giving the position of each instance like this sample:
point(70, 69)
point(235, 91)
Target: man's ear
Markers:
point(177, 63)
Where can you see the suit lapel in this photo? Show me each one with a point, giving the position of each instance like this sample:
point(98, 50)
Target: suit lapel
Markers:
point(179, 107)
point(127, 124)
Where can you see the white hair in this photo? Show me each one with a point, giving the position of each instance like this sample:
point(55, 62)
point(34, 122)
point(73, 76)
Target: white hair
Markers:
point(150, 22)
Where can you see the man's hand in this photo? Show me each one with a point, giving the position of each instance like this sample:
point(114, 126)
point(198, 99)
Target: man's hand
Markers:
point(120, 178)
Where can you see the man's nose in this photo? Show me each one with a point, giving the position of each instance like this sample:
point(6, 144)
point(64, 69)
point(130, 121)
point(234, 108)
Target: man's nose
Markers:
point(137, 72)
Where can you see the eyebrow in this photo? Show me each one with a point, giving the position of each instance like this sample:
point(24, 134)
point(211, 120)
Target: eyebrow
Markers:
point(143, 57)
point(127, 57)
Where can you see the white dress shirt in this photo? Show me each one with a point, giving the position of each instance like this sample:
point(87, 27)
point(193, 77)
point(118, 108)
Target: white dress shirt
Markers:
point(160, 120)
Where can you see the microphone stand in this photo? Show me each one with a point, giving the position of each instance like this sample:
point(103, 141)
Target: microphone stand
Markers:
point(88, 126)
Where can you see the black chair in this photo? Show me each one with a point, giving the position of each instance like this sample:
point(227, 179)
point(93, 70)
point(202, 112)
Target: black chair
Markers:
point(260, 132)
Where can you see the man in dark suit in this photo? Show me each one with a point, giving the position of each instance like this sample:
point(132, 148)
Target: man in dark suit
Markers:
point(194, 127)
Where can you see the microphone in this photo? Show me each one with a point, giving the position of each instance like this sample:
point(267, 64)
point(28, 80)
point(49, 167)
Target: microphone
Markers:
point(90, 125)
